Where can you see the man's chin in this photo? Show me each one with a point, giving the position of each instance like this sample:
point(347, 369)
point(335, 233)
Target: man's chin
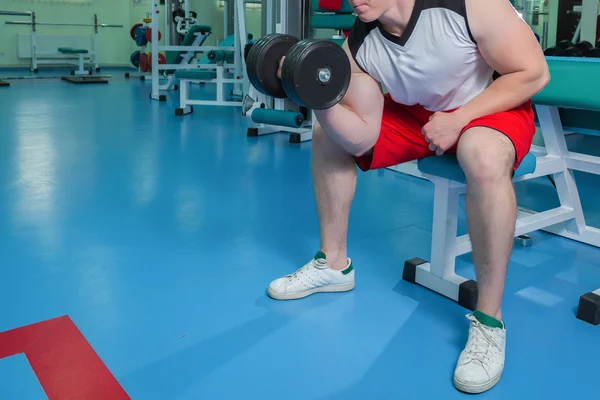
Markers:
point(366, 18)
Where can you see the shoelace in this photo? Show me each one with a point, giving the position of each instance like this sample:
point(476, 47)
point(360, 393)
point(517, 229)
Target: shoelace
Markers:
point(478, 351)
point(310, 264)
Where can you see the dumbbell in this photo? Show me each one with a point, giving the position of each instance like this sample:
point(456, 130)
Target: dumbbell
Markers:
point(584, 46)
point(595, 52)
point(571, 52)
point(315, 73)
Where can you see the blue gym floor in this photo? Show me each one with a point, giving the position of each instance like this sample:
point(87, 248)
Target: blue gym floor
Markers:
point(158, 236)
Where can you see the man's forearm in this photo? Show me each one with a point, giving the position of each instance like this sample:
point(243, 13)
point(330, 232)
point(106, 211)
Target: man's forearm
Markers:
point(505, 93)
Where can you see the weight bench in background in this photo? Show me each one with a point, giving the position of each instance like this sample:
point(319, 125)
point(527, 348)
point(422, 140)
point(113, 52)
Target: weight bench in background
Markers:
point(574, 88)
point(216, 70)
point(297, 123)
point(83, 76)
point(82, 56)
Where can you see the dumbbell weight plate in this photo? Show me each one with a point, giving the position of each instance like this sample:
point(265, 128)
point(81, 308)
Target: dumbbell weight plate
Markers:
point(263, 62)
point(584, 45)
point(571, 52)
point(595, 52)
point(316, 74)
point(253, 66)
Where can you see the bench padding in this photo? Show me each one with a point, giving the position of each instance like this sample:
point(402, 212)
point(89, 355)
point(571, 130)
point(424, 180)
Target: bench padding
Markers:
point(332, 21)
point(71, 50)
point(195, 74)
point(447, 166)
point(574, 83)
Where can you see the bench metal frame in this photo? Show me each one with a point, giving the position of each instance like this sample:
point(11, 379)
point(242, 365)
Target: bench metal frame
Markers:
point(185, 102)
point(239, 67)
point(567, 220)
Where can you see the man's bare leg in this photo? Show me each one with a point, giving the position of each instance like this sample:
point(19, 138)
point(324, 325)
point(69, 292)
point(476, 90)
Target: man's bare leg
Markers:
point(487, 158)
point(334, 181)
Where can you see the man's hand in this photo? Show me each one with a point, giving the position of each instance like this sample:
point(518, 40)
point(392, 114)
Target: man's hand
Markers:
point(279, 69)
point(442, 131)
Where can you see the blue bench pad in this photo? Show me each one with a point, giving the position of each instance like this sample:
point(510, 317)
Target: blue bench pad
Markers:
point(447, 166)
point(71, 50)
point(196, 74)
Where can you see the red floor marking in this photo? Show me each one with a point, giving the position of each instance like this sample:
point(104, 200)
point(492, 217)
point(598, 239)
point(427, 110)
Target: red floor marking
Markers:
point(63, 361)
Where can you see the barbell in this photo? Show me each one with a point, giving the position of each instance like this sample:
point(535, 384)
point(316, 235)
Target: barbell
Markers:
point(62, 24)
point(315, 73)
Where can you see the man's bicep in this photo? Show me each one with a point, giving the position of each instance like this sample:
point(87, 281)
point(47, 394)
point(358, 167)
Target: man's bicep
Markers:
point(503, 38)
point(364, 96)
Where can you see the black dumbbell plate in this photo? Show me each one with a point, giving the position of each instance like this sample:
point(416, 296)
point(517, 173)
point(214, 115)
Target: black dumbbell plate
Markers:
point(263, 62)
point(301, 76)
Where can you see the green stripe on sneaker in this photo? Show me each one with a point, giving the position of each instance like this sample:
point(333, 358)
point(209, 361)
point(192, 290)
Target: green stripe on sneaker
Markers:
point(488, 320)
point(348, 269)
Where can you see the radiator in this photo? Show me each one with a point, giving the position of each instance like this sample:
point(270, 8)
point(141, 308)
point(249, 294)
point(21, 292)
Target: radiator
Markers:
point(50, 43)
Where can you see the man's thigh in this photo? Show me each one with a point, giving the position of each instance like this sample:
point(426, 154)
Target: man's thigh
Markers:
point(498, 140)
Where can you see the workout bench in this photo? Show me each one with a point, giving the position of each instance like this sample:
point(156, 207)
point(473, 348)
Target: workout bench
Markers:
point(573, 91)
point(217, 70)
point(82, 74)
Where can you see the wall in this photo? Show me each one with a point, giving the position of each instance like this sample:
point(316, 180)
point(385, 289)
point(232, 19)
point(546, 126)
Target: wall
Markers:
point(112, 48)
point(114, 44)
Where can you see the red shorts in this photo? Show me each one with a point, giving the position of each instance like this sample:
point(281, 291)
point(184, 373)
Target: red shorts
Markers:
point(401, 140)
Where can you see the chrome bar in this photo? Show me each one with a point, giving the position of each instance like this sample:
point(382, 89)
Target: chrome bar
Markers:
point(58, 24)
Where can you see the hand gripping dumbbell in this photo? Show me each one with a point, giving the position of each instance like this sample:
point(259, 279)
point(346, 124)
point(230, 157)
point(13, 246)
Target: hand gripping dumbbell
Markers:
point(315, 73)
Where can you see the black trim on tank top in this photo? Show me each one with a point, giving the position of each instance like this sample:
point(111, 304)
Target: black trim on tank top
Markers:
point(457, 6)
point(356, 38)
point(410, 26)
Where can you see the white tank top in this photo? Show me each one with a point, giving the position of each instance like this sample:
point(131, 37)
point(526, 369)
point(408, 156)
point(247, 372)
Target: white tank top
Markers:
point(435, 63)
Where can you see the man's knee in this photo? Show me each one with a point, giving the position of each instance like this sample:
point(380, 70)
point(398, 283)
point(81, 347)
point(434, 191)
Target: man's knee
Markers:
point(486, 156)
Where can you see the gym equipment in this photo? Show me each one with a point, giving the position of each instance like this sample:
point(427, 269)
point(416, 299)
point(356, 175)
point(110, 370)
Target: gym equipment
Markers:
point(84, 79)
point(552, 51)
point(263, 63)
point(161, 59)
point(584, 46)
point(81, 54)
point(573, 89)
point(595, 52)
point(315, 73)
point(571, 52)
point(139, 58)
point(220, 55)
point(148, 34)
point(42, 78)
point(198, 34)
point(564, 44)
point(216, 70)
point(139, 36)
point(91, 56)
point(299, 20)
point(278, 117)
point(144, 65)
point(135, 58)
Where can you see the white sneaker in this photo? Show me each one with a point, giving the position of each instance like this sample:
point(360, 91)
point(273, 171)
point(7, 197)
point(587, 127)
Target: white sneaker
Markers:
point(313, 277)
point(481, 363)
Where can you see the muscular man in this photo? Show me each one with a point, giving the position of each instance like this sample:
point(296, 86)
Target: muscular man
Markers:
point(436, 58)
